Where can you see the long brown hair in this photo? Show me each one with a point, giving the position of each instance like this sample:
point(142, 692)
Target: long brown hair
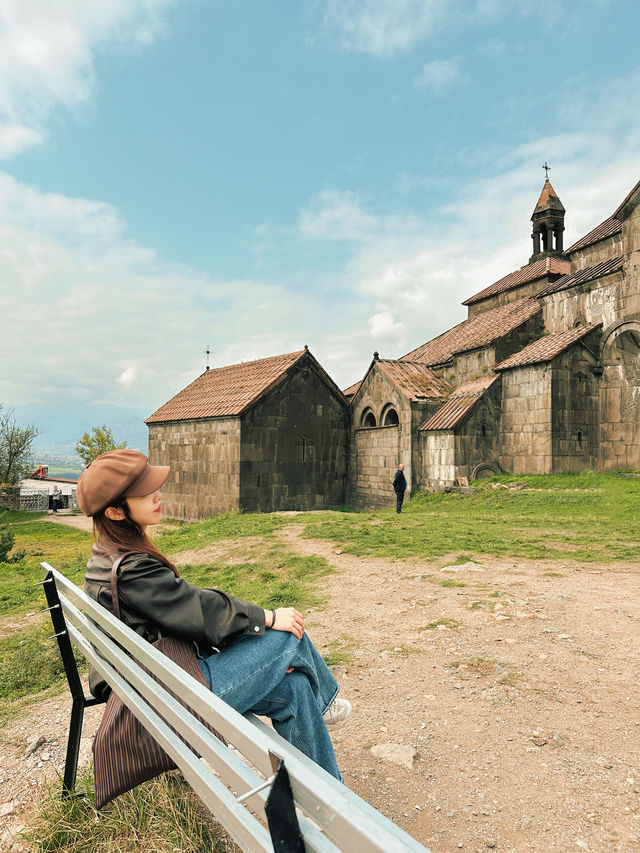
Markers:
point(125, 535)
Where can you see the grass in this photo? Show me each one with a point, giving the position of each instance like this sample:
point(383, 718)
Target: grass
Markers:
point(63, 547)
point(31, 662)
point(595, 513)
point(161, 816)
point(231, 525)
point(445, 623)
point(478, 665)
point(338, 652)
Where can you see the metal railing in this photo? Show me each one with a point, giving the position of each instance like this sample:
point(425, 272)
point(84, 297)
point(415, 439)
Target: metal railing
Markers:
point(238, 786)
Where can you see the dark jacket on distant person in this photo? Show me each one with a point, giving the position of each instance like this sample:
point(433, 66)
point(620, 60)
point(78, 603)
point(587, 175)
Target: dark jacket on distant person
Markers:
point(399, 482)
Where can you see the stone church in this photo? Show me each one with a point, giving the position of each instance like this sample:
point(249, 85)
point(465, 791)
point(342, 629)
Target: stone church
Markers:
point(543, 376)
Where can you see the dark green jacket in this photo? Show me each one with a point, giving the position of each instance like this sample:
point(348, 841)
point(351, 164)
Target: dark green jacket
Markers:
point(153, 600)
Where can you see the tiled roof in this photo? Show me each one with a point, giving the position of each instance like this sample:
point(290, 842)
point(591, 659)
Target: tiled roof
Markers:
point(538, 269)
point(414, 379)
point(352, 390)
point(547, 347)
point(459, 404)
point(606, 229)
point(582, 276)
point(226, 391)
point(475, 332)
point(548, 200)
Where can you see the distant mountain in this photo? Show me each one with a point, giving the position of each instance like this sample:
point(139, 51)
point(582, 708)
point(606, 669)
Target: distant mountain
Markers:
point(61, 427)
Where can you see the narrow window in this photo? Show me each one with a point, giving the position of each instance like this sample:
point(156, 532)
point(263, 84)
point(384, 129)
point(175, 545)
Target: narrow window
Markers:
point(483, 430)
point(580, 438)
point(304, 448)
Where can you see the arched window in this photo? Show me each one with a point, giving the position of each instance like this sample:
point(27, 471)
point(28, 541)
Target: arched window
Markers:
point(390, 417)
point(483, 430)
point(368, 419)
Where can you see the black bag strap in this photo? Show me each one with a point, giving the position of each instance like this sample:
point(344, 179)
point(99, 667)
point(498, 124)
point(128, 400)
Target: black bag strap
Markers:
point(115, 601)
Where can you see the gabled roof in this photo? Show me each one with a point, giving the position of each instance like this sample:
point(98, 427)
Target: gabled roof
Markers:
point(531, 272)
point(414, 380)
point(547, 347)
point(352, 390)
point(549, 199)
point(582, 276)
point(460, 404)
point(475, 332)
point(623, 211)
point(606, 229)
point(227, 391)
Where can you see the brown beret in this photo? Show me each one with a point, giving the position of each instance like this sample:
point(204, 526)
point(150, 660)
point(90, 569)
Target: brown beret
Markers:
point(115, 475)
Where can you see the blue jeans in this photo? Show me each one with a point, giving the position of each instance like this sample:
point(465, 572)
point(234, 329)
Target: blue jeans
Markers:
point(251, 675)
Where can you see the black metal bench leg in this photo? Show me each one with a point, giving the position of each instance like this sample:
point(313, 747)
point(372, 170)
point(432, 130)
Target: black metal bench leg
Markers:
point(79, 702)
point(73, 747)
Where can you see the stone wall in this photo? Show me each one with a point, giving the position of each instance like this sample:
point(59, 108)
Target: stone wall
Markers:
point(620, 399)
point(469, 365)
point(439, 458)
point(575, 416)
point(526, 420)
point(528, 289)
point(376, 454)
point(448, 454)
point(620, 383)
point(205, 466)
point(603, 301)
point(598, 252)
point(477, 439)
point(294, 446)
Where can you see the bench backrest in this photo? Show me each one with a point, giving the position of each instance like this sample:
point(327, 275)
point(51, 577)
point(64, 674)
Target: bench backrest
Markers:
point(332, 818)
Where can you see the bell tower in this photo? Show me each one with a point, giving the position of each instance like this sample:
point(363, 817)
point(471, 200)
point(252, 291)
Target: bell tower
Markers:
point(548, 223)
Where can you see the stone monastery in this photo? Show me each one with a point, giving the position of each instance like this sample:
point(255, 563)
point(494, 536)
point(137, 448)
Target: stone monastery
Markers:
point(543, 376)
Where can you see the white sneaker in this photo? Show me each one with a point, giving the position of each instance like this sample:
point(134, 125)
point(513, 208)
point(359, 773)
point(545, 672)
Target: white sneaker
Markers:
point(337, 712)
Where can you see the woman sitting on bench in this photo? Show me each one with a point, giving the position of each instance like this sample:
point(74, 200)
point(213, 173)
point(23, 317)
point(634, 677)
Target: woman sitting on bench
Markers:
point(255, 660)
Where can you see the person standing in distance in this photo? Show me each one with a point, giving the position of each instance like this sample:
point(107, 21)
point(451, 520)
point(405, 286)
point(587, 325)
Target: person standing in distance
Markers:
point(399, 486)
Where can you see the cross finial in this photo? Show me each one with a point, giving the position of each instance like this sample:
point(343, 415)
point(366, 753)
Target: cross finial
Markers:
point(207, 353)
point(546, 168)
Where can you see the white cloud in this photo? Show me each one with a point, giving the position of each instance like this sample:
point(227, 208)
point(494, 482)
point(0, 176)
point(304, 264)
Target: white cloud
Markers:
point(439, 75)
point(47, 56)
point(336, 215)
point(15, 138)
point(384, 325)
point(383, 28)
point(386, 28)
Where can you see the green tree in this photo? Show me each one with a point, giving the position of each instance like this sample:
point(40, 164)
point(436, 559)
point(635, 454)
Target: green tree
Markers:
point(16, 448)
point(98, 441)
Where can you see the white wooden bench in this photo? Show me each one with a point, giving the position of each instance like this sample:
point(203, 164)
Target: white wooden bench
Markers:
point(237, 785)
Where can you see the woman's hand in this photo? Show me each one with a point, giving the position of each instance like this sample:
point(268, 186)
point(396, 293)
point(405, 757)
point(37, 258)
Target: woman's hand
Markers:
point(287, 619)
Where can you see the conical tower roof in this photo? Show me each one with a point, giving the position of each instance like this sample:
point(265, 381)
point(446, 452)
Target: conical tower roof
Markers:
point(548, 200)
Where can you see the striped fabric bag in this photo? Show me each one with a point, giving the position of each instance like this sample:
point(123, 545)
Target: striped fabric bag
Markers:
point(124, 753)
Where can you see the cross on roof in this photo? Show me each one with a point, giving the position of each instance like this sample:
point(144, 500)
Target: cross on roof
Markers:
point(546, 168)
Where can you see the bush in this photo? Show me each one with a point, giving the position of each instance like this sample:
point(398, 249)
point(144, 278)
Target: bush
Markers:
point(6, 544)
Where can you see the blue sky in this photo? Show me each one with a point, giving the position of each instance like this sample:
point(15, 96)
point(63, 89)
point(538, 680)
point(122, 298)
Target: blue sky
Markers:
point(256, 176)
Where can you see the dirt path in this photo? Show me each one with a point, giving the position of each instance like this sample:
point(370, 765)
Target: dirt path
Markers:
point(512, 697)
point(499, 711)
